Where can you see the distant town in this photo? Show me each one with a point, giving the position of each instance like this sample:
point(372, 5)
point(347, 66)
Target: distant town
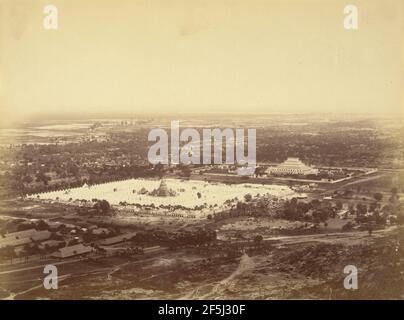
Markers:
point(325, 192)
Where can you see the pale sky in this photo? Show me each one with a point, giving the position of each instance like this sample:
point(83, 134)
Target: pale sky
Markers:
point(142, 56)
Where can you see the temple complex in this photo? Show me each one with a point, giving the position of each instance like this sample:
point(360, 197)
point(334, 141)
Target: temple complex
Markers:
point(292, 166)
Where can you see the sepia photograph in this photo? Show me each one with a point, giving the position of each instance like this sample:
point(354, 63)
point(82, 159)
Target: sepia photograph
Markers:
point(199, 150)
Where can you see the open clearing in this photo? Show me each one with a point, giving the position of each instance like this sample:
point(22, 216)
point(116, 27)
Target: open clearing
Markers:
point(129, 191)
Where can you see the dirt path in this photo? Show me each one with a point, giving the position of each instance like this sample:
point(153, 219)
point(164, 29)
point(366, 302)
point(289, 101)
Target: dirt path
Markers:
point(361, 180)
point(40, 266)
point(14, 294)
point(330, 236)
point(245, 264)
point(116, 269)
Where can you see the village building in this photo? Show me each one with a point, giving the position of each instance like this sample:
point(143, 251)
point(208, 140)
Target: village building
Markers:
point(51, 244)
point(72, 251)
point(100, 231)
point(41, 235)
point(54, 225)
point(21, 238)
point(20, 234)
point(15, 239)
point(12, 242)
point(342, 214)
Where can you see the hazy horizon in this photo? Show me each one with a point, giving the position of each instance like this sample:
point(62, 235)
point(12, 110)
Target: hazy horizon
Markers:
point(310, 117)
point(187, 57)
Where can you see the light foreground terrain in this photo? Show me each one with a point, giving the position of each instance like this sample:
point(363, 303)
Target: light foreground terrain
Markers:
point(302, 267)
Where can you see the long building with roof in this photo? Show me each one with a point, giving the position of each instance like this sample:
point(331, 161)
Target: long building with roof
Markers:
point(21, 238)
point(71, 251)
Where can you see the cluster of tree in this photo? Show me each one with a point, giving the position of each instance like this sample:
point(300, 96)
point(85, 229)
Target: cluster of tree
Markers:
point(298, 210)
point(53, 167)
point(89, 237)
point(249, 207)
point(175, 239)
point(102, 206)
